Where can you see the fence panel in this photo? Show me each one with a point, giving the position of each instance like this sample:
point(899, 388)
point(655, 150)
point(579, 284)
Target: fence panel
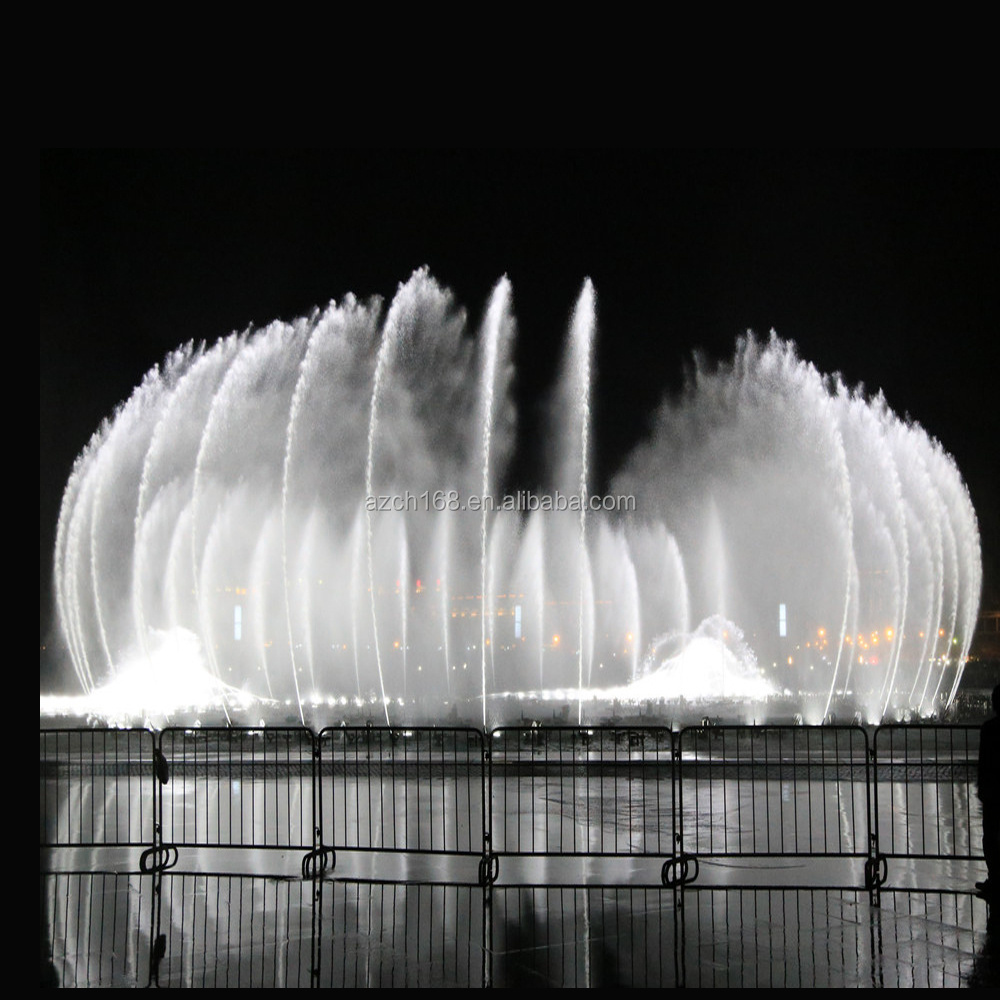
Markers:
point(396, 934)
point(419, 789)
point(583, 936)
point(934, 939)
point(602, 792)
point(95, 929)
point(925, 792)
point(772, 791)
point(238, 788)
point(582, 791)
point(227, 931)
point(96, 787)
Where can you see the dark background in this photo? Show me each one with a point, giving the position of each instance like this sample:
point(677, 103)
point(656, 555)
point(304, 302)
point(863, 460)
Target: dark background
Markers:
point(883, 266)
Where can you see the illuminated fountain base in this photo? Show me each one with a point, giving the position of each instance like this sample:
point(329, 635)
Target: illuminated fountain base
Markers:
point(688, 677)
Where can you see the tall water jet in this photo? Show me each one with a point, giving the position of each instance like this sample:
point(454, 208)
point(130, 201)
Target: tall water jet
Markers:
point(66, 557)
point(529, 579)
point(442, 578)
point(845, 510)
point(306, 367)
point(579, 378)
point(355, 559)
point(128, 440)
point(496, 320)
point(178, 361)
point(256, 385)
point(503, 540)
point(402, 588)
point(385, 353)
point(258, 586)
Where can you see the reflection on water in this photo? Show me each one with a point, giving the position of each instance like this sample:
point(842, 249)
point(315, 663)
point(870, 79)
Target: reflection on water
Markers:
point(584, 936)
point(782, 831)
point(376, 934)
point(228, 931)
point(96, 928)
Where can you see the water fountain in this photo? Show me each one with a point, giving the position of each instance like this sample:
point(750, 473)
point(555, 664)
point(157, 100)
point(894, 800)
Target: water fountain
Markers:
point(297, 505)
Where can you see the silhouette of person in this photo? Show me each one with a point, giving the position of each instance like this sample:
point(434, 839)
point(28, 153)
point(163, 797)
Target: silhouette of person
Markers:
point(989, 795)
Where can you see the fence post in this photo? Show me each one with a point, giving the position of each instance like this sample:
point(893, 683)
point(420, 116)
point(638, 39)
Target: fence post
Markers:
point(489, 863)
point(876, 866)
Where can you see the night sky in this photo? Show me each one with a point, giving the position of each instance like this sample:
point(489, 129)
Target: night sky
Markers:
point(882, 266)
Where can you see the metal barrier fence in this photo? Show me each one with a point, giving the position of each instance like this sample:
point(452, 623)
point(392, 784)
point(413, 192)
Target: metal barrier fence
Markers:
point(418, 789)
point(238, 788)
point(601, 791)
point(584, 936)
point(226, 931)
point(774, 937)
point(582, 791)
point(527, 792)
point(925, 792)
point(96, 928)
point(377, 934)
point(773, 791)
point(229, 931)
point(780, 937)
point(96, 787)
